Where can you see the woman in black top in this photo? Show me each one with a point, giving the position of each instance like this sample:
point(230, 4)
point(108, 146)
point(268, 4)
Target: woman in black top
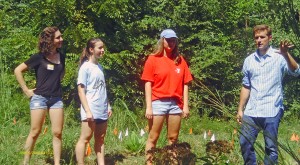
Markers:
point(49, 66)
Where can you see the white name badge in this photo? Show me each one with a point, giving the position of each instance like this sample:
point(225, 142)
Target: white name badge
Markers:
point(50, 67)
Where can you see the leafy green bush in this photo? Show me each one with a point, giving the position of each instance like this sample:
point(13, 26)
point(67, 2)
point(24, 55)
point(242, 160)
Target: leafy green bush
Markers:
point(217, 152)
point(134, 142)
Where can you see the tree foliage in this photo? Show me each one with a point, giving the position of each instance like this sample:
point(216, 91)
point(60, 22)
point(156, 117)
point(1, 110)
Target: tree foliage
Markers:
point(215, 37)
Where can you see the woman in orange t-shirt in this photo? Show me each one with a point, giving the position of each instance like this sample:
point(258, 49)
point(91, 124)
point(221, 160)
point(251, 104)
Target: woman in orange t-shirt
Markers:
point(166, 75)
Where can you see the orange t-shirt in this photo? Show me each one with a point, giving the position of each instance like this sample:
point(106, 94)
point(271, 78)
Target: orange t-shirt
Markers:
point(166, 77)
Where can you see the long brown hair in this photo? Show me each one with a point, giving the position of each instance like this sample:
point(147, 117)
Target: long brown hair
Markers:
point(159, 51)
point(46, 40)
point(86, 51)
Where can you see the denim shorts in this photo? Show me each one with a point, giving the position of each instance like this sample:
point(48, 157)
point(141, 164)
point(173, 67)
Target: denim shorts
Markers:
point(45, 102)
point(165, 106)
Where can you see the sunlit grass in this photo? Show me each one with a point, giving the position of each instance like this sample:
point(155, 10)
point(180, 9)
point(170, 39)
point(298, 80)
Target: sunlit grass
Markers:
point(13, 136)
point(129, 149)
point(288, 153)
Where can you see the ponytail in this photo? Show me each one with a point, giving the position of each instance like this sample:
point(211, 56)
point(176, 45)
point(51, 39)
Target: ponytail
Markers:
point(84, 56)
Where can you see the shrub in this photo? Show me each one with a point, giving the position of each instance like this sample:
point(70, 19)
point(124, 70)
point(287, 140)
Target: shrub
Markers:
point(175, 154)
point(217, 152)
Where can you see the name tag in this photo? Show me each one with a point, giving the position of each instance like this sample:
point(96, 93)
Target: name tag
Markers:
point(50, 67)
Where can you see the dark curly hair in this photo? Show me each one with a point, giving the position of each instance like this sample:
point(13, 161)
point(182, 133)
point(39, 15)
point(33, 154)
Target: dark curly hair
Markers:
point(46, 39)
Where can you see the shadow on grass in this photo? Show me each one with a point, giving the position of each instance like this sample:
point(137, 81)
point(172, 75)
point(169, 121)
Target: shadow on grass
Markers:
point(112, 159)
point(70, 158)
point(67, 157)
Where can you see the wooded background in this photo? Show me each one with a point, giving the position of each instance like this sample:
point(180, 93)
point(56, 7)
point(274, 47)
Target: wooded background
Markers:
point(215, 37)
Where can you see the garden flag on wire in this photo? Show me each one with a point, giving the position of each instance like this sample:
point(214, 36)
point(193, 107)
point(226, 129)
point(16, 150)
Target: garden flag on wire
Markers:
point(115, 132)
point(213, 138)
point(191, 131)
point(142, 132)
point(15, 121)
point(209, 133)
point(88, 150)
point(295, 137)
point(205, 135)
point(120, 135)
point(126, 132)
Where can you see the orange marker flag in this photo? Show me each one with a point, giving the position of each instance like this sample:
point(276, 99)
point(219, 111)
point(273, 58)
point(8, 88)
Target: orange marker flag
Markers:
point(232, 143)
point(88, 150)
point(146, 128)
point(115, 132)
point(209, 133)
point(232, 137)
point(14, 121)
point(297, 138)
point(293, 137)
point(234, 131)
point(191, 131)
point(45, 130)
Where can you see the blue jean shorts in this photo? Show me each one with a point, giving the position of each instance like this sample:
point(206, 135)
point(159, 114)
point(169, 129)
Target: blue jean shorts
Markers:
point(45, 102)
point(165, 106)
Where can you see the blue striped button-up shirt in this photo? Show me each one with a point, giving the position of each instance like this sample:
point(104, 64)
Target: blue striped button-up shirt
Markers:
point(264, 75)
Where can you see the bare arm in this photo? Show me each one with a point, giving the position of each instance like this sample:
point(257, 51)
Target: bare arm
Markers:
point(244, 96)
point(84, 103)
point(19, 76)
point(186, 111)
point(148, 97)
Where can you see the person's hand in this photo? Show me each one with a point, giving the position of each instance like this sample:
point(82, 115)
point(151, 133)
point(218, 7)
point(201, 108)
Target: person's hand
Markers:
point(109, 113)
point(284, 46)
point(89, 116)
point(185, 112)
point(29, 93)
point(149, 113)
point(239, 116)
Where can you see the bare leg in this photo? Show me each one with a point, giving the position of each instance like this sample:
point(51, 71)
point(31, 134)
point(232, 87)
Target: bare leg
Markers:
point(37, 118)
point(57, 122)
point(99, 134)
point(173, 126)
point(155, 127)
point(87, 129)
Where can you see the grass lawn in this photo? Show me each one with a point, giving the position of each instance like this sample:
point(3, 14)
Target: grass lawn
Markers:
point(130, 149)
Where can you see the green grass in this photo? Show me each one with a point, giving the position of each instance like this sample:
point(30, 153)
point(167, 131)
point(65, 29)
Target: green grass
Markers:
point(13, 136)
point(129, 150)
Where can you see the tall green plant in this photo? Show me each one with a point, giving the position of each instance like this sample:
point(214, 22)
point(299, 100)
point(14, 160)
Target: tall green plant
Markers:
point(215, 101)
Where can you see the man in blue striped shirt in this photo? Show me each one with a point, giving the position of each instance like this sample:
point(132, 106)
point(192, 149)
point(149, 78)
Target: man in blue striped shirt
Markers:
point(261, 97)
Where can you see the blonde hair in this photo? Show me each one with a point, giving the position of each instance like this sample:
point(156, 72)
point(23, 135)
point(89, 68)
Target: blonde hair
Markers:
point(262, 27)
point(159, 51)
